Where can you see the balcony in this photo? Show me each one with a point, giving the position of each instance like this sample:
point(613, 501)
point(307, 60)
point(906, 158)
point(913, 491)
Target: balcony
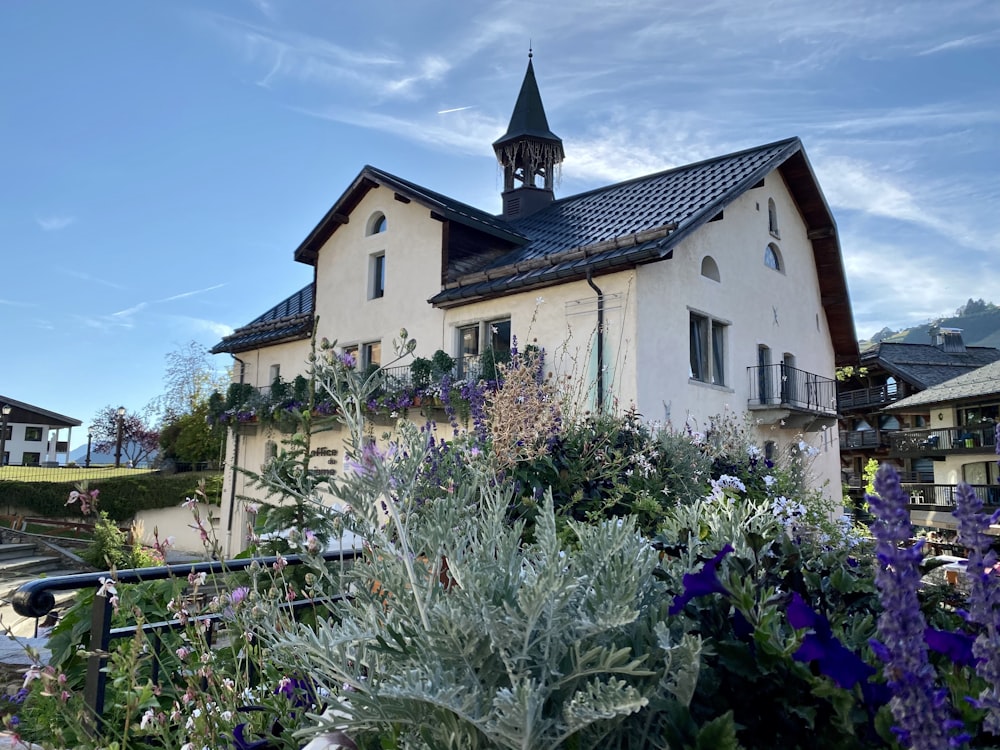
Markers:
point(868, 398)
point(863, 439)
point(942, 442)
point(922, 494)
point(779, 392)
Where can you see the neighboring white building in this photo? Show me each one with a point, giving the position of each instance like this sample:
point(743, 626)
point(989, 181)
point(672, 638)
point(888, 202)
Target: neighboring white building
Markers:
point(33, 436)
point(712, 286)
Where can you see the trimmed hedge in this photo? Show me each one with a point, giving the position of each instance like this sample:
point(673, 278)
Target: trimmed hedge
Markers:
point(121, 497)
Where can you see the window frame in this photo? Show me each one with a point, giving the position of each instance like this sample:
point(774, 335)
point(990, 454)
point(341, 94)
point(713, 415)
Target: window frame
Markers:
point(377, 224)
point(772, 219)
point(772, 258)
point(486, 333)
point(367, 349)
point(29, 430)
point(708, 348)
point(376, 275)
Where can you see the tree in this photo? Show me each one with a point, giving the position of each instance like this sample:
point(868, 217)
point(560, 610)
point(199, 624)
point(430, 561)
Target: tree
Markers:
point(139, 438)
point(189, 439)
point(189, 379)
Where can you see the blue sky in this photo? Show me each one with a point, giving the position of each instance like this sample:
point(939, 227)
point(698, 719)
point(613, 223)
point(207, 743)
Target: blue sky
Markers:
point(161, 161)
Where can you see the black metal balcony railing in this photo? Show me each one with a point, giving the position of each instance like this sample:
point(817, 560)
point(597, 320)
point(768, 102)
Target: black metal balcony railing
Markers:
point(868, 397)
point(789, 387)
point(35, 599)
point(944, 494)
point(943, 440)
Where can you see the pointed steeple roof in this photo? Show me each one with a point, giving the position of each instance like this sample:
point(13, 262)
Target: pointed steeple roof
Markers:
point(528, 119)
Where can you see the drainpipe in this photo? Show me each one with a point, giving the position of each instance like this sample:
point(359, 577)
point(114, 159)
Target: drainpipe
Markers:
point(600, 342)
point(236, 454)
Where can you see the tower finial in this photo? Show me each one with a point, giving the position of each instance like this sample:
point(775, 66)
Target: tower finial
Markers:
point(529, 48)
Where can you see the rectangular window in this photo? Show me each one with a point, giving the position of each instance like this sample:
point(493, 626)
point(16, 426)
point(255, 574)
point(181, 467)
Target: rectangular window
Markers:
point(32, 434)
point(708, 349)
point(8, 432)
point(371, 354)
point(468, 351)
point(376, 271)
point(273, 374)
point(31, 459)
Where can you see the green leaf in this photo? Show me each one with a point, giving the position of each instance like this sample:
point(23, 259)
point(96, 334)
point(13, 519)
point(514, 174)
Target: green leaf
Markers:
point(719, 734)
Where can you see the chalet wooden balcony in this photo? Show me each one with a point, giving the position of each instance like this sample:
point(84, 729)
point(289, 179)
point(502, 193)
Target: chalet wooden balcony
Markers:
point(793, 392)
point(864, 439)
point(942, 442)
point(868, 398)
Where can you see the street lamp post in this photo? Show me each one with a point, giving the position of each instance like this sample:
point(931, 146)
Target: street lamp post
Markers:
point(118, 437)
point(5, 412)
point(90, 439)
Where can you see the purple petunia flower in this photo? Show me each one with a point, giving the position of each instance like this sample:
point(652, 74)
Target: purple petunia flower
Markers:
point(702, 583)
point(834, 660)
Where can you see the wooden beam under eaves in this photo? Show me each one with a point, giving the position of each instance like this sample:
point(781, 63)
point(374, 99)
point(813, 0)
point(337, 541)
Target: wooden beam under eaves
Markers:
point(401, 198)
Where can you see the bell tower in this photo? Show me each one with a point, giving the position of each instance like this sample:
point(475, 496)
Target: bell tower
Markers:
point(528, 153)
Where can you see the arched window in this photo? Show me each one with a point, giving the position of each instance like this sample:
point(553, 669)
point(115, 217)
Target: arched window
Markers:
point(772, 218)
point(772, 257)
point(377, 223)
point(709, 268)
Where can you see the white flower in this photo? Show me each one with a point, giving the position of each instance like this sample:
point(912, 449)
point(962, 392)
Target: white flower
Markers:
point(147, 719)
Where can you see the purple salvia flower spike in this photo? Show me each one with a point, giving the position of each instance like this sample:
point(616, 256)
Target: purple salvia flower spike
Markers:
point(923, 719)
point(984, 599)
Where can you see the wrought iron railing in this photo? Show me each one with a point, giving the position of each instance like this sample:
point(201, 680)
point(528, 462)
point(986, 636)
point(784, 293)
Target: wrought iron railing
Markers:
point(944, 494)
point(942, 440)
point(36, 599)
point(785, 386)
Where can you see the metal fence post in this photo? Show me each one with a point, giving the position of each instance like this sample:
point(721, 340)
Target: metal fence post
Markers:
point(97, 677)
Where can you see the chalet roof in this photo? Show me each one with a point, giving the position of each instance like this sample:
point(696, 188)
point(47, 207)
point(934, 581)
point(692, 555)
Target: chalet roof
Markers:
point(441, 206)
point(600, 231)
point(23, 413)
point(979, 383)
point(925, 365)
point(289, 320)
point(642, 220)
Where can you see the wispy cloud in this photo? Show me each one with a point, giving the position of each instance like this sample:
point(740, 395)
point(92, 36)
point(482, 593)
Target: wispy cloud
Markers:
point(217, 329)
point(54, 223)
point(974, 40)
point(192, 293)
point(89, 278)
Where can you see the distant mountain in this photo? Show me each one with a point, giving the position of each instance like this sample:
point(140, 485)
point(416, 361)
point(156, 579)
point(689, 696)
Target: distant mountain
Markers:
point(978, 320)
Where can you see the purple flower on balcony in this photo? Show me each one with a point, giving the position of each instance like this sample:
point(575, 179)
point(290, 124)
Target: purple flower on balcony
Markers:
point(984, 598)
point(920, 708)
point(704, 582)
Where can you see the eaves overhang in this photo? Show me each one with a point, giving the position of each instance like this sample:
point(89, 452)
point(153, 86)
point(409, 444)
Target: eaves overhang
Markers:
point(441, 207)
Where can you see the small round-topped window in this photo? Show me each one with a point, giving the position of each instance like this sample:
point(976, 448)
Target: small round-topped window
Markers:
point(772, 257)
point(377, 223)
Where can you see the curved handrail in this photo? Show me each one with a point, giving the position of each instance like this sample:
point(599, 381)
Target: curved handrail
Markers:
point(35, 598)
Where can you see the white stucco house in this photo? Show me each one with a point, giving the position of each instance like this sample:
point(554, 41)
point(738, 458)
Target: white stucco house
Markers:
point(33, 436)
point(712, 286)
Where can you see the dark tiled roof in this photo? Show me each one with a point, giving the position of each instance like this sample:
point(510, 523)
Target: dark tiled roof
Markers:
point(674, 203)
point(289, 320)
point(926, 365)
point(23, 413)
point(983, 381)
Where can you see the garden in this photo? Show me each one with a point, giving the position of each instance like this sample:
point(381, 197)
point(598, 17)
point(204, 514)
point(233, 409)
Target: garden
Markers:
point(534, 575)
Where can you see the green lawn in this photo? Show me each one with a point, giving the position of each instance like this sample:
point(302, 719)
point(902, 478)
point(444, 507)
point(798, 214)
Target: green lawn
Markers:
point(41, 474)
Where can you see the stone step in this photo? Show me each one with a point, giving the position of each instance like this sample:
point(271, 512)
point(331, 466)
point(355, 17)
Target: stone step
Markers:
point(32, 563)
point(9, 551)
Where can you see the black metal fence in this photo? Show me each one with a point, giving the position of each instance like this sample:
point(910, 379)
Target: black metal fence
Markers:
point(36, 599)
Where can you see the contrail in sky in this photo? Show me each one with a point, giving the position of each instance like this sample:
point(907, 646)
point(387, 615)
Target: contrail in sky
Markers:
point(456, 109)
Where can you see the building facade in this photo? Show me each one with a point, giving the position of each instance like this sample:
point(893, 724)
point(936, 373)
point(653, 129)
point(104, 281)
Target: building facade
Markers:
point(712, 287)
point(33, 436)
